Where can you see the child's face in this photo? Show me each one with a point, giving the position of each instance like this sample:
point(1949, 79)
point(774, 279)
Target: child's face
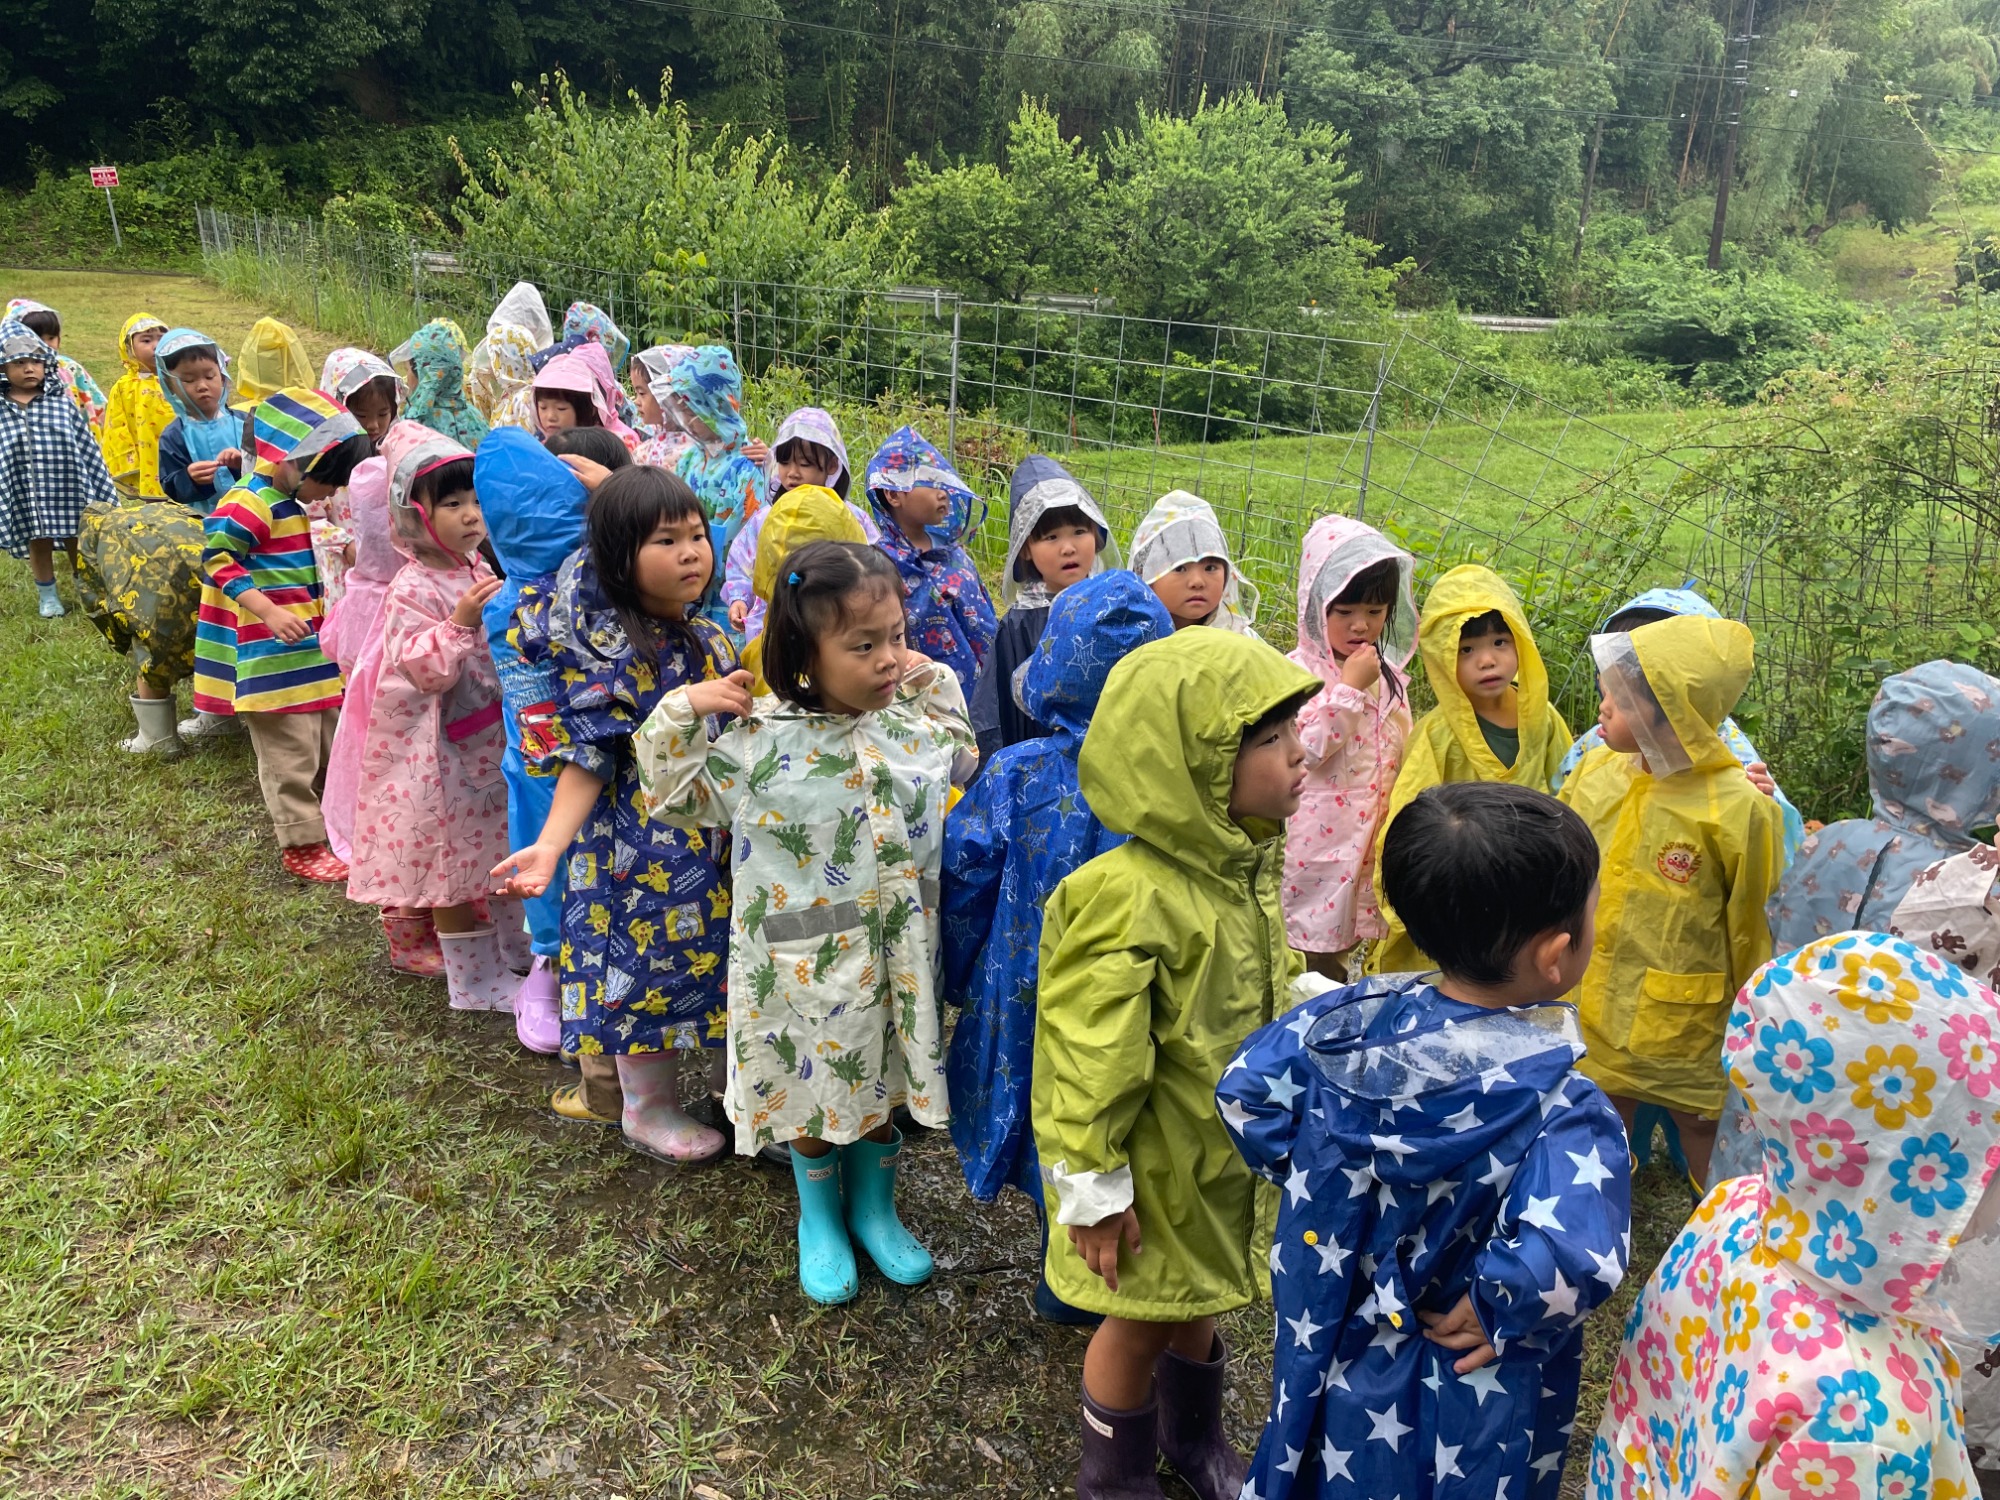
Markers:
point(1486, 668)
point(1617, 728)
point(25, 376)
point(924, 506)
point(555, 413)
point(374, 408)
point(691, 424)
point(649, 409)
point(1349, 627)
point(1063, 554)
point(857, 665)
point(801, 463)
point(201, 380)
point(1193, 590)
point(1270, 774)
point(457, 523)
point(673, 566)
point(144, 343)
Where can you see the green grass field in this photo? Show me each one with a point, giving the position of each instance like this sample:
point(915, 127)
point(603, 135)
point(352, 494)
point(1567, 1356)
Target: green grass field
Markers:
point(274, 1222)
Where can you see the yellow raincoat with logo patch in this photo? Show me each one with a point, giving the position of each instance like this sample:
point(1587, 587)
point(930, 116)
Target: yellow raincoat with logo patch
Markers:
point(1691, 853)
point(1446, 745)
point(135, 414)
point(1158, 959)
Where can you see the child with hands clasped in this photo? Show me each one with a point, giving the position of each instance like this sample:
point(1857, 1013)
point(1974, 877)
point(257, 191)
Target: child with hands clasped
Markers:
point(1456, 1195)
point(834, 793)
point(1158, 958)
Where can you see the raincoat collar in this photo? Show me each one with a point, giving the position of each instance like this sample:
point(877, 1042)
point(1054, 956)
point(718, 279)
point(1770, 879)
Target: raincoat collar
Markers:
point(905, 461)
point(712, 386)
point(1041, 485)
point(298, 424)
point(1092, 626)
point(137, 324)
point(1181, 528)
point(1932, 733)
point(1465, 593)
point(1335, 551)
point(411, 450)
point(1694, 667)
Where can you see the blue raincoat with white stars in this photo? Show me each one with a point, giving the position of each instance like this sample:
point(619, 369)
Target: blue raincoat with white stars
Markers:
point(1428, 1150)
point(1022, 827)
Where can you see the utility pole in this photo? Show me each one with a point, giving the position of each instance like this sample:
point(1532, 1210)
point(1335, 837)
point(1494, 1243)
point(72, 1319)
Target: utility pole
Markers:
point(1589, 183)
point(1739, 81)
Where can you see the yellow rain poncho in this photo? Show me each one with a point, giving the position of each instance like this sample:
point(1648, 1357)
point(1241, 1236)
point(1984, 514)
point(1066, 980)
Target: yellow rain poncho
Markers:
point(810, 513)
point(272, 360)
point(1446, 745)
point(135, 414)
point(1691, 853)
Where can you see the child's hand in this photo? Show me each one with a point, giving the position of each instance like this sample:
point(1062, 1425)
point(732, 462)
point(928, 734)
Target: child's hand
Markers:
point(527, 872)
point(728, 695)
point(282, 623)
point(1099, 1243)
point(466, 615)
point(231, 458)
point(1761, 778)
point(739, 612)
point(1459, 1329)
point(1363, 669)
point(756, 452)
point(589, 470)
point(204, 472)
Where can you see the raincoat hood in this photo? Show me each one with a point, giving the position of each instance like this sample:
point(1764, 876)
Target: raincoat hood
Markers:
point(1336, 550)
point(178, 341)
point(503, 365)
point(1953, 910)
point(435, 355)
point(273, 360)
point(411, 450)
point(1092, 626)
point(138, 323)
point(1934, 751)
point(1694, 667)
point(346, 371)
point(809, 424)
point(571, 375)
point(655, 366)
point(1680, 601)
point(905, 461)
point(712, 387)
point(1041, 485)
point(298, 424)
point(1871, 1181)
point(585, 321)
point(1181, 528)
point(810, 513)
point(1160, 756)
point(1465, 593)
point(19, 341)
point(532, 501)
point(376, 559)
point(523, 308)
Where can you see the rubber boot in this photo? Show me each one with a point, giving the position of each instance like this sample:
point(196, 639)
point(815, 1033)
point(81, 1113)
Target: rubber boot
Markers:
point(655, 1125)
point(50, 605)
point(473, 973)
point(156, 728)
point(510, 924)
point(202, 725)
point(826, 1258)
point(1189, 1396)
point(1048, 1306)
point(413, 941)
point(538, 1009)
point(868, 1189)
point(1120, 1453)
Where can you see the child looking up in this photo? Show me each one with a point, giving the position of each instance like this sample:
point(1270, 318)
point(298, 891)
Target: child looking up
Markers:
point(47, 323)
point(1158, 958)
point(257, 650)
point(1691, 853)
point(1180, 551)
point(705, 396)
point(1448, 1173)
point(1055, 533)
point(834, 793)
point(1022, 827)
point(366, 388)
point(644, 934)
point(1806, 1302)
point(50, 464)
point(925, 511)
point(1493, 720)
point(1357, 628)
point(200, 459)
point(136, 413)
point(807, 451)
point(805, 514)
point(431, 811)
point(436, 353)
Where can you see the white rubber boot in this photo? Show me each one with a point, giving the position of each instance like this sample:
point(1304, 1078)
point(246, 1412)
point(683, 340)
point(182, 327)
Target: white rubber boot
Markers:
point(156, 728)
point(474, 973)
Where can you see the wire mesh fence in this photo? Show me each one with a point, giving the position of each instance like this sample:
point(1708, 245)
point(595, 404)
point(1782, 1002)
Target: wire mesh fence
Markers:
point(1273, 427)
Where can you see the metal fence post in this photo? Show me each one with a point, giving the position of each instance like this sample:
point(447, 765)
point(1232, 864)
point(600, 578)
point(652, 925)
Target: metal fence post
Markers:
point(1368, 440)
point(951, 401)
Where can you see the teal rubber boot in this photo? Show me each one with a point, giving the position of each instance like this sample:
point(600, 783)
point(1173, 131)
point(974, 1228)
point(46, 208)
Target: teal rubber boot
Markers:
point(868, 1183)
point(826, 1259)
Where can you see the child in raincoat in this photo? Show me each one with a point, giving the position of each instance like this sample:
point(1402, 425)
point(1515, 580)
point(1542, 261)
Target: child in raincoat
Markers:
point(1691, 853)
point(1022, 827)
point(1357, 630)
point(808, 513)
point(1457, 1196)
point(705, 396)
point(925, 512)
point(1056, 536)
point(833, 791)
point(1481, 661)
point(806, 451)
point(257, 653)
point(366, 387)
point(661, 438)
point(567, 394)
point(47, 322)
point(1180, 551)
point(500, 375)
point(136, 412)
point(645, 916)
point(431, 807)
point(1791, 1343)
point(51, 469)
point(1158, 958)
point(273, 359)
point(201, 456)
point(436, 354)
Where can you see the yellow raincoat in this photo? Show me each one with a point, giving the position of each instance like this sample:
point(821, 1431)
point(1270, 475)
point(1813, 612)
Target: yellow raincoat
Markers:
point(1690, 858)
point(809, 513)
point(1446, 745)
point(272, 360)
point(135, 414)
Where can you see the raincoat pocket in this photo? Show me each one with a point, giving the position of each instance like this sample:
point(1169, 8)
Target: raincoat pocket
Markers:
point(1679, 1015)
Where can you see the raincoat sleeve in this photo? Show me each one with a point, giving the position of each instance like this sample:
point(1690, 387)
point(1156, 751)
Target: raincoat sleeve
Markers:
point(1560, 1245)
point(120, 435)
point(427, 651)
point(934, 688)
point(174, 461)
point(736, 583)
point(237, 528)
point(975, 852)
point(1339, 717)
point(1094, 1020)
point(1747, 756)
point(686, 779)
point(986, 707)
point(1258, 1098)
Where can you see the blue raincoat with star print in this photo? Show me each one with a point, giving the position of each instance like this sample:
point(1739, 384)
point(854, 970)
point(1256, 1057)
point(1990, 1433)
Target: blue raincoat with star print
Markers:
point(1024, 826)
point(1427, 1150)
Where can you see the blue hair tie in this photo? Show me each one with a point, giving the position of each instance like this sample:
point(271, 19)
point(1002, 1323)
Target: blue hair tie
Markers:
point(794, 579)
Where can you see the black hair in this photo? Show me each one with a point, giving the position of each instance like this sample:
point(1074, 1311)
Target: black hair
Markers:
point(1628, 620)
point(1378, 583)
point(1278, 713)
point(180, 357)
point(336, 465)
point(1481, 626)
point(44, 324)
point(821, 456)
point(598, 444)
point(445, 479)
point(1062, 515)
point(810, 601)
point(580, 405)
point(385, 383)
point(622, 516)
point(1478, 869)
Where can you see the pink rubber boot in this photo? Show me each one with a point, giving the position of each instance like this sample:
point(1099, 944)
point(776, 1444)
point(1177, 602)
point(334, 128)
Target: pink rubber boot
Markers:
point(538, 1009)
point(474, 973)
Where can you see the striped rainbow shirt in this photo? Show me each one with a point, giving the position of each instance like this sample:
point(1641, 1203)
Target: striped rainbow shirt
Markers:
point(259, 538)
